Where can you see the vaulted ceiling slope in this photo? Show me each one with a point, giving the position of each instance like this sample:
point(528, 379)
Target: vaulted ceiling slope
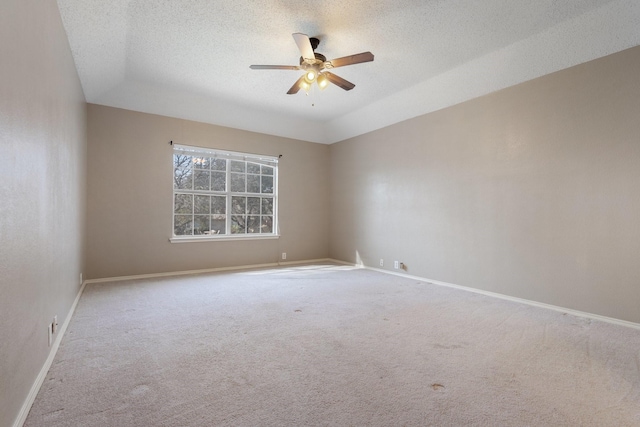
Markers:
point(190, 59)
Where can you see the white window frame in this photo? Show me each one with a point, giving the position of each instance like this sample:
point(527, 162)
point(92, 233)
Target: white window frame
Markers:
point(200, 152)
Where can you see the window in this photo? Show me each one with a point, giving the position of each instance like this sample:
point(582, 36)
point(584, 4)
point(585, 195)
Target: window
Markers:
point(223, 194)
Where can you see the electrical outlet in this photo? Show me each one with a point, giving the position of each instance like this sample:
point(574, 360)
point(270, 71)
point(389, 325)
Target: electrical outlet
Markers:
point(381, 262)
point(284, 255)
point(54, 325)
point(81, 278)
point(396, 265)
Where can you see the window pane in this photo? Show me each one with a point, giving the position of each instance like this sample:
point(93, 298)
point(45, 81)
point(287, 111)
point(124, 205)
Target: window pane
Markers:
point(219, 164)
point(253, 205)
point(219, 205)
point(181, 161)
point(237, 182)
point(267, 184)
point(253, 183)
point(267, 170)
point(201, 180)
point(218, 224)
point(238, 223)
point(201, 162)
point(267, 224)
point(253, 224)
point(267, 206)
point(201, 224)
point(253, 168)
point(183, 203)
point(182, 172)
point(218, 181)
point(182, 225)
point(238, 204)
point(201, 204)
point(237, 166)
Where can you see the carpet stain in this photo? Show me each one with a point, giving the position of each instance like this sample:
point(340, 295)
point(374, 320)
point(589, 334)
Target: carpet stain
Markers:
point(437, 386)
point(97, 362)
point(297, 311)
point(447, 347)
point(141, 389)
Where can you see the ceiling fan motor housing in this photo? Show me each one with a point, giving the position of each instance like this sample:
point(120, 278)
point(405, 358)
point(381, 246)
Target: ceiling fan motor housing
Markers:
point(320, 58)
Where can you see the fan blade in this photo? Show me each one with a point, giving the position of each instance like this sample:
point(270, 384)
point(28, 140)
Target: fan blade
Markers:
point(350, 60)
point(338, 81)
point(302, 40)
point(274, 67)
point(296, 86)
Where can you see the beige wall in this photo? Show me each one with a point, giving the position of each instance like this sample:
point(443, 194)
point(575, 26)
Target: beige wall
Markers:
point(130, 196)
point(532, 192)
point(43, 141)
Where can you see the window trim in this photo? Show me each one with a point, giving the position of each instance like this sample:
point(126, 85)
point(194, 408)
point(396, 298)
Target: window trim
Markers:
point(223, 238)
point(271, 161)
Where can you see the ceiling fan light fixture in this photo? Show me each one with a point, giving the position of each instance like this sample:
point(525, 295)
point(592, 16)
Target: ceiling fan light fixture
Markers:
point(310, 76)
point(305, 85)
point(323, 82)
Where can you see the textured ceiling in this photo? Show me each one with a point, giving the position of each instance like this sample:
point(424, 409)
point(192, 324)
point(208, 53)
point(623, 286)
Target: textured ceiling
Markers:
point(190, 59)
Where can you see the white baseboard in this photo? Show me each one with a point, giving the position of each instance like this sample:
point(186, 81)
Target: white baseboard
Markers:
point(309, 261)
point(205, 270)
point(35, 388)
point(337, 261)
point(577, 313)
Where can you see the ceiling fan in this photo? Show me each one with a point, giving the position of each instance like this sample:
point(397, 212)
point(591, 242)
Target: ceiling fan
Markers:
point(315, 66)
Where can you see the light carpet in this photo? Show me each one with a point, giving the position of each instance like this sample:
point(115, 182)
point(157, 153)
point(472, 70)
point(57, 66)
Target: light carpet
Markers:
point(327, 345)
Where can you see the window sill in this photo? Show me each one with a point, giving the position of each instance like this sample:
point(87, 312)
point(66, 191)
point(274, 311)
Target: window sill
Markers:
point(224, 238)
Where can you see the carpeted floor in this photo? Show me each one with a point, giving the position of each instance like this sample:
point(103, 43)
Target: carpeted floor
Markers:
point(331, 346)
